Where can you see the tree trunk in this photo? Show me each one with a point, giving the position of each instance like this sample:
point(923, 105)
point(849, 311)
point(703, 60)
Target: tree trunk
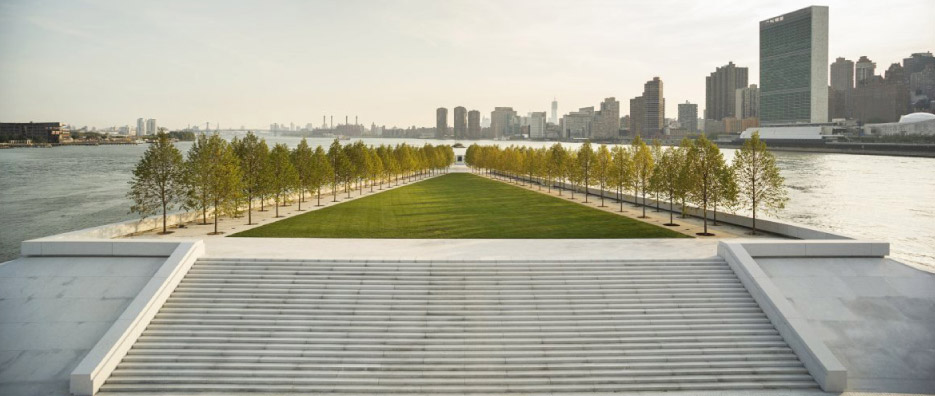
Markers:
point(249, 210)
point(163, 216)
point(276, 202)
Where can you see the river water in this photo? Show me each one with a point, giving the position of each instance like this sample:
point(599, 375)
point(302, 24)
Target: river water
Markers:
point(54, 190)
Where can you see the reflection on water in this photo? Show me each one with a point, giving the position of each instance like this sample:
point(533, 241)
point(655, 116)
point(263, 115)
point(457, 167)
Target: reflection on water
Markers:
point(49, 191)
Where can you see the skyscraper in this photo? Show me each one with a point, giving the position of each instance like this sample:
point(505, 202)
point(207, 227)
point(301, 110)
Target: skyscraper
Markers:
point(537, 125)
point(606, 123)
point(637, 116)
point(842, 85)
point(865, 69)
point(554, 118)
point(502, 122)
point(151, 127)
point(140, 127)
point(688, 116)
point(794, 67)
point(721, 91)
point(747, 102)
point(441, 122)
point(655, 107)
point(473, 124)
point(460, 122)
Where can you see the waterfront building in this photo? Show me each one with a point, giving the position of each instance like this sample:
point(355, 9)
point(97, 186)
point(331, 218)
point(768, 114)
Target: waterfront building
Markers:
point(842, 86)
point(554, 118)
point(654, 103)
point(747, 102)
point(460, 122)
point(577, 124)
point(917, 62)
point(721, 91)
point(503, 122)
point(151, 128)
point(473, 125)
point(879, 99)
point(922, 89)
point(864, 70)
point(688, 116)
point(537, 122)
point(441, 123)
point(606, 124)
point(140, 127)
point(38, 132)
point(637, 116)
point(794, 67)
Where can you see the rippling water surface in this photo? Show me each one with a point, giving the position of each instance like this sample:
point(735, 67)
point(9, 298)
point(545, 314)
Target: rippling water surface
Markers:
point(49, 191)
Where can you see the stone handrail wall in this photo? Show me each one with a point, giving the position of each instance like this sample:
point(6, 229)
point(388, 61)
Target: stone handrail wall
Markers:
point(90, 374)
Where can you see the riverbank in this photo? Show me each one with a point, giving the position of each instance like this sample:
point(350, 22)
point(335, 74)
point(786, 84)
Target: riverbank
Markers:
point(884, 149)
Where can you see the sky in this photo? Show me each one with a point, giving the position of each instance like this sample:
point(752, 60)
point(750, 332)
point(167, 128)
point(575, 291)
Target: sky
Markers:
point(252, 63)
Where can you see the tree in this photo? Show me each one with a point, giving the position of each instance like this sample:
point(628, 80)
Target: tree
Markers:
point(321, 171)
point(758, 179)
point(253, 155)
point(339, 165)
point(158, 180)
point(642, 167)
point(654, 182)
point(285, 178)
point(602, 167)
point(302, 160)
point(585, 166)
point(726, 191)
point(570, 170)
point(706, 161)
point(621, 172)
point(684, 179)
point(197, 176)
point(667, 174)
point(214, 178)
point(555, 163)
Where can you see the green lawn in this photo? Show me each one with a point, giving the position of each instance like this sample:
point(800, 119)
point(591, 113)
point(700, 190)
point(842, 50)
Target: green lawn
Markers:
point(459, 205)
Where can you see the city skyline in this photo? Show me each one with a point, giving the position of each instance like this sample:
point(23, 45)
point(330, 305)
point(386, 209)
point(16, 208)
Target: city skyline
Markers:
point(102, 64)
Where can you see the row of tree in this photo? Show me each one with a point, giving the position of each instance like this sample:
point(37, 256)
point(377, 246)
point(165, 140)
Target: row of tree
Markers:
point(228, 177)
point(694, 172)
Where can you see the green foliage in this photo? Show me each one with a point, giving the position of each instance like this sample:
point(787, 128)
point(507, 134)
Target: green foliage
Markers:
point(758, 180)
point(213, 176)
point(158, 180)
point(253, 156)
point(285, 178)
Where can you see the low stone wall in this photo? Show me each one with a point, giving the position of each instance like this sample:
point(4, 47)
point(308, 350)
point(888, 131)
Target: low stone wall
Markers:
point(769, 226)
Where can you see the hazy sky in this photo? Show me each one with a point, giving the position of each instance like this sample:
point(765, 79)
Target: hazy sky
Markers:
point(252, 63)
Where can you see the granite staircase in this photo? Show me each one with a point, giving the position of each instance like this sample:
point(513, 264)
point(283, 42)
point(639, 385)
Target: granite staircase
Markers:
point(279, 326)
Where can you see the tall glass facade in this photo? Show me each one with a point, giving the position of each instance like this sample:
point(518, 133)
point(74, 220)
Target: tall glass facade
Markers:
point(788, 61)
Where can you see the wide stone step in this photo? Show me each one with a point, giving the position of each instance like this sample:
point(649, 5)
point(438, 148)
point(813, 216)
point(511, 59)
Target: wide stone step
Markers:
point(284, 350)
point(294, 343)
point(459, 273)
point(367, 368)
point(323, 372)
point(714, 356)
point(425, 309)
point(467, 298)
point(455, 284)
point(198, 273)
point(569, 313)
point(301, 338)
point(332, 304)
point(492, 329)
point(457, 383)
point(458, 337)
point(699, 385)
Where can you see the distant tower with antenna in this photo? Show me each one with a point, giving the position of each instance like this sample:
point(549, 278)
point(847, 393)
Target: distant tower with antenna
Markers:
point(554, 118)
